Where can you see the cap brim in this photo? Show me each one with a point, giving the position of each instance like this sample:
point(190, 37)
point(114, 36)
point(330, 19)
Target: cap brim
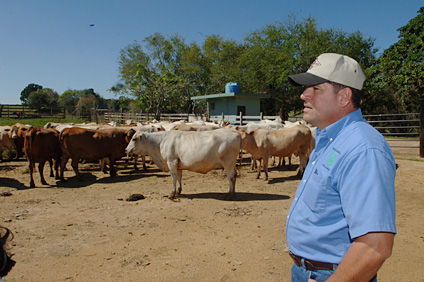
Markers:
point(305, 79)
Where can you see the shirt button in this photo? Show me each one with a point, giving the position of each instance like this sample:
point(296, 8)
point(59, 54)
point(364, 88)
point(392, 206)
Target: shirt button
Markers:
point(295, 199)
point(331, 139)
point(313, 162)
point(304, 181)
point(288, 216)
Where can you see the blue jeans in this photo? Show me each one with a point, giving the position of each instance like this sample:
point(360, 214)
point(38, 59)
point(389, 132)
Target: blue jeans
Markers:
point(300, 274)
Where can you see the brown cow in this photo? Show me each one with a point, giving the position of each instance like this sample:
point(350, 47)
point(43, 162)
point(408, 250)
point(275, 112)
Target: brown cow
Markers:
point(42, 145)
point(89, 144)
point(17, 133)
point(264, 143)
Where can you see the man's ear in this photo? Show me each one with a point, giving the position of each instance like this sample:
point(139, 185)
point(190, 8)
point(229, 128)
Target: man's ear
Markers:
point(345, 97)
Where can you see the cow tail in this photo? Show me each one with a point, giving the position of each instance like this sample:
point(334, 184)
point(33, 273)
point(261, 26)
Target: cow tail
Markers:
point(238, 170)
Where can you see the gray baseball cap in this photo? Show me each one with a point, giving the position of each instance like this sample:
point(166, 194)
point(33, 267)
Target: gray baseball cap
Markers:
point(331, 67)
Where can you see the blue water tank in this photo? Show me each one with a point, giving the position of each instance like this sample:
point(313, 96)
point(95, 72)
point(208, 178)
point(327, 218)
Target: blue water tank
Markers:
point(231, 87)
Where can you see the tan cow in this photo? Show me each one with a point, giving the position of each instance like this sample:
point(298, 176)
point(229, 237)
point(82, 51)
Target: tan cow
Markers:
point(198, 151)
point(264, 143)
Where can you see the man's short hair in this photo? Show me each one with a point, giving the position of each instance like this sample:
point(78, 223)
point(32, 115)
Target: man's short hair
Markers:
point(356, 94)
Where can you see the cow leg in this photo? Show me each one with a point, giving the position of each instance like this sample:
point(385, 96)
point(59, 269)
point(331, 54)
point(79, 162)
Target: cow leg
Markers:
point(103, 163)
point(135, 157)
point(175, 174)
point(174, 181)
point(143, 158)
point(31, 171)
point(51, 167)
point(265, 160)
point(303, 162)
point(179, 179)
point(253, 164)
point(112, 168)
point(231, 174)
point(41, 170)
point(56, 166)
point(63, 162)
point(259, 169)
point(74, 165)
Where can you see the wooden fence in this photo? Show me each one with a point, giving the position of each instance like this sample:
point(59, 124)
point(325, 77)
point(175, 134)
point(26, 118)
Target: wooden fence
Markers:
point(21, 112)
point(122, 118)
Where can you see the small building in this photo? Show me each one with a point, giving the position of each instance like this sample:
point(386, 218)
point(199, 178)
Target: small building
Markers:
point(232, 104)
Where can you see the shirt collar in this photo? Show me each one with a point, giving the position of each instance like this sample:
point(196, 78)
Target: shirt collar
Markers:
point(333, 130)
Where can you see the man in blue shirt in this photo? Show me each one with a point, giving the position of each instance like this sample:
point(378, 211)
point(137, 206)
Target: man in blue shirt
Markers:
point(341, 224)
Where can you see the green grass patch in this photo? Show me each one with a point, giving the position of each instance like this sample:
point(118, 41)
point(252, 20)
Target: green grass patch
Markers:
point(414, 160)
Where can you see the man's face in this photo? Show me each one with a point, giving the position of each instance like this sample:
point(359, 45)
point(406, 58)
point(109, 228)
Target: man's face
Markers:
point(321, 105)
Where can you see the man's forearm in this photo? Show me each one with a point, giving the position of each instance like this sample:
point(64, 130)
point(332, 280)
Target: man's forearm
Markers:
point(364, 258)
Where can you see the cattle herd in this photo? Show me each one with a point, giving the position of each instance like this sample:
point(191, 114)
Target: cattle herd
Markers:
point(173, 146)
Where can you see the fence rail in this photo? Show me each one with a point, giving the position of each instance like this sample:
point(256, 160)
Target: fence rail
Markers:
point(122, 118)
point(21, 112)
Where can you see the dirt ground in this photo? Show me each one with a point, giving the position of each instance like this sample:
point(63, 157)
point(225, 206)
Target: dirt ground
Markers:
point(87, 231)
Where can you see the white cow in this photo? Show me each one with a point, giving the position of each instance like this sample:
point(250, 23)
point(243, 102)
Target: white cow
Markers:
point(198, 151)
point(5, 140)
point(263, 125)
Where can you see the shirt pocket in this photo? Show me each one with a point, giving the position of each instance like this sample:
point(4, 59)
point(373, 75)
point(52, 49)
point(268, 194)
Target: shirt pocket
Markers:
point(315, 192)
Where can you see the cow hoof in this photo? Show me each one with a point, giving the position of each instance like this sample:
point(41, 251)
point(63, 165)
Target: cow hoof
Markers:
point(44, 183)
point(31, 186)
point(174, 199)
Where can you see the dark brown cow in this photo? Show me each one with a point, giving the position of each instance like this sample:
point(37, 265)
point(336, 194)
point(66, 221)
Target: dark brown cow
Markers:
point(42, 145)
point(89, 144)
point(17, 133)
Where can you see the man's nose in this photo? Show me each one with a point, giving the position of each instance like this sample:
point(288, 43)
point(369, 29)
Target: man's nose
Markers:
point(305, 94)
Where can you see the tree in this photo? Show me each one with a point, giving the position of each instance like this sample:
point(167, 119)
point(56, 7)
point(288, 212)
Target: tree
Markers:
point(69, 99)
point(397, 79)
point(85, 104)
point(45, 97)
point(152, 76)
point(221, 63)
point(278, 50)
point(28, 90)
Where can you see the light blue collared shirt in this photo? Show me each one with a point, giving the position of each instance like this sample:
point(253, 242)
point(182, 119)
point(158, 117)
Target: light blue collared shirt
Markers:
point(347, 191)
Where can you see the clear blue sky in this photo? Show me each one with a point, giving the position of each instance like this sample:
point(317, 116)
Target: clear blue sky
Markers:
point(51, 42)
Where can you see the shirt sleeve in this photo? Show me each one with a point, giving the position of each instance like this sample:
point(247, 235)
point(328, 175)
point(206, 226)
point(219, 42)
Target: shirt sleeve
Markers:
point(367, 192)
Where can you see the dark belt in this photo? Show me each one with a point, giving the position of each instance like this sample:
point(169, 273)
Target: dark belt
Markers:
point(311, 264)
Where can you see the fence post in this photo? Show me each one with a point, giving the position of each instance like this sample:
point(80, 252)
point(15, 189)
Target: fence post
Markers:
point(241, 118)
point(422, 128)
